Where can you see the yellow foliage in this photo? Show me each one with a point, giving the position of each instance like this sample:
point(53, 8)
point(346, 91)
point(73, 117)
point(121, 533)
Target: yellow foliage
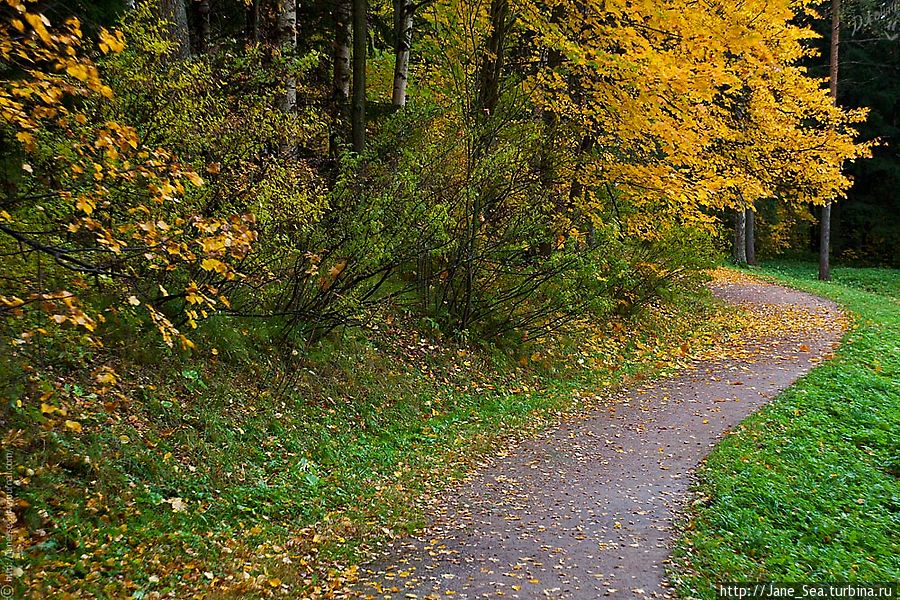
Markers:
point(104, 172)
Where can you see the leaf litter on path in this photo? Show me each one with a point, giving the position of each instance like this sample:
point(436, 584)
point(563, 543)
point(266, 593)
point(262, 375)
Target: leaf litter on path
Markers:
point(588, 509)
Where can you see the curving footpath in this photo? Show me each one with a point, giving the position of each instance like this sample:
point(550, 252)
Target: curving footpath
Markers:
point(589, 509)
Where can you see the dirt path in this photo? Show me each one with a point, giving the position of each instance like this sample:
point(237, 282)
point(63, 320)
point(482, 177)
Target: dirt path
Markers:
point(587, 510)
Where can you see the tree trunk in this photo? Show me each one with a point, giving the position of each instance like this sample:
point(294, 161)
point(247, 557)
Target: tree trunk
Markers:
point(174, 13)
point(340, 85)
point(485, 102)
point(360, 39)
point(403, 24)
point(750, 220)
point(253, 21)
point(825, 243)
point(201, 17)
point(576, 191)
point(551, 120)
point(287, 42)
point(492, 67)
point(825, 226)
point(740, 237)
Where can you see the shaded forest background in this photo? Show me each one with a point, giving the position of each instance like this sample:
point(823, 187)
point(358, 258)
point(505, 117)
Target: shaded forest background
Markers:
point(866, 226)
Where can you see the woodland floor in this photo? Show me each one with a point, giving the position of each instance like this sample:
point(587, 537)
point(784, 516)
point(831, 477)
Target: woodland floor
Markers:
point(589, 509)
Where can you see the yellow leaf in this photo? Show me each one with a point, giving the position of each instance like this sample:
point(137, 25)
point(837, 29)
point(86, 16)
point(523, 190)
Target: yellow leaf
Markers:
point(78, 71)
point(194, 178)
point(211, 264)
point(274, 582)
point(111, 42)
point(73, 425)
point(27, 139)
point(37, 23)
point(107, 377)
point(85, 205)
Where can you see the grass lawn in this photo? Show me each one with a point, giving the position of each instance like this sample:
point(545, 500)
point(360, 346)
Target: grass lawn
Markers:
point(807, 489)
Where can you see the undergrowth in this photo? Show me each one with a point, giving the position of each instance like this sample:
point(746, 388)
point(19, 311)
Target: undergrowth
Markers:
point(253, 468)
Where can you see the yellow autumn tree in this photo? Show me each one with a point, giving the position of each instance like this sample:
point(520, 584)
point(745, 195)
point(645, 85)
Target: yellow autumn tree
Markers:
point(690, 108)
point(88, 209)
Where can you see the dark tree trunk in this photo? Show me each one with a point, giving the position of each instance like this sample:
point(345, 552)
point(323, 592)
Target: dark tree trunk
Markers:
point(485, 103)
point(201, 20)
point(825, 226)
point(360, 39)
point(576, 190)
point(551, 120)
point(253, 21)
point(740, 237)
point(751, 236)
point(492, 67)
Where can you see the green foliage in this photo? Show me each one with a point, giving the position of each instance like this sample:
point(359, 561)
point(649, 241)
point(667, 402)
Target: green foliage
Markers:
point(807, 489)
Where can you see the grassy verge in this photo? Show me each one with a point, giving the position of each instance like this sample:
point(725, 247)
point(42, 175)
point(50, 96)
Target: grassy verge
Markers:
point(807, 489)
point(246, 470)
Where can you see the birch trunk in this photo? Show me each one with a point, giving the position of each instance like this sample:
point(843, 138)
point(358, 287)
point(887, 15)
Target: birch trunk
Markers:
point(174, 13)
point(751, 236)
point(403, 24)
point(340, 83)
point(360, 39)
point(287, 42)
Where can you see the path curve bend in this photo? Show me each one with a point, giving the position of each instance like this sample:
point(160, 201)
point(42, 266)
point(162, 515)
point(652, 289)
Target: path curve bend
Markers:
point(589, 509)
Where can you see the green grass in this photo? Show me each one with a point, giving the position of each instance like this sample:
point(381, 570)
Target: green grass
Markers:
point(219, 464)
point(807, 489)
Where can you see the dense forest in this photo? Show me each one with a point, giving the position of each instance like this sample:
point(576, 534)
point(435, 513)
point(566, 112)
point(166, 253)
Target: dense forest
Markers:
point(272, 194)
